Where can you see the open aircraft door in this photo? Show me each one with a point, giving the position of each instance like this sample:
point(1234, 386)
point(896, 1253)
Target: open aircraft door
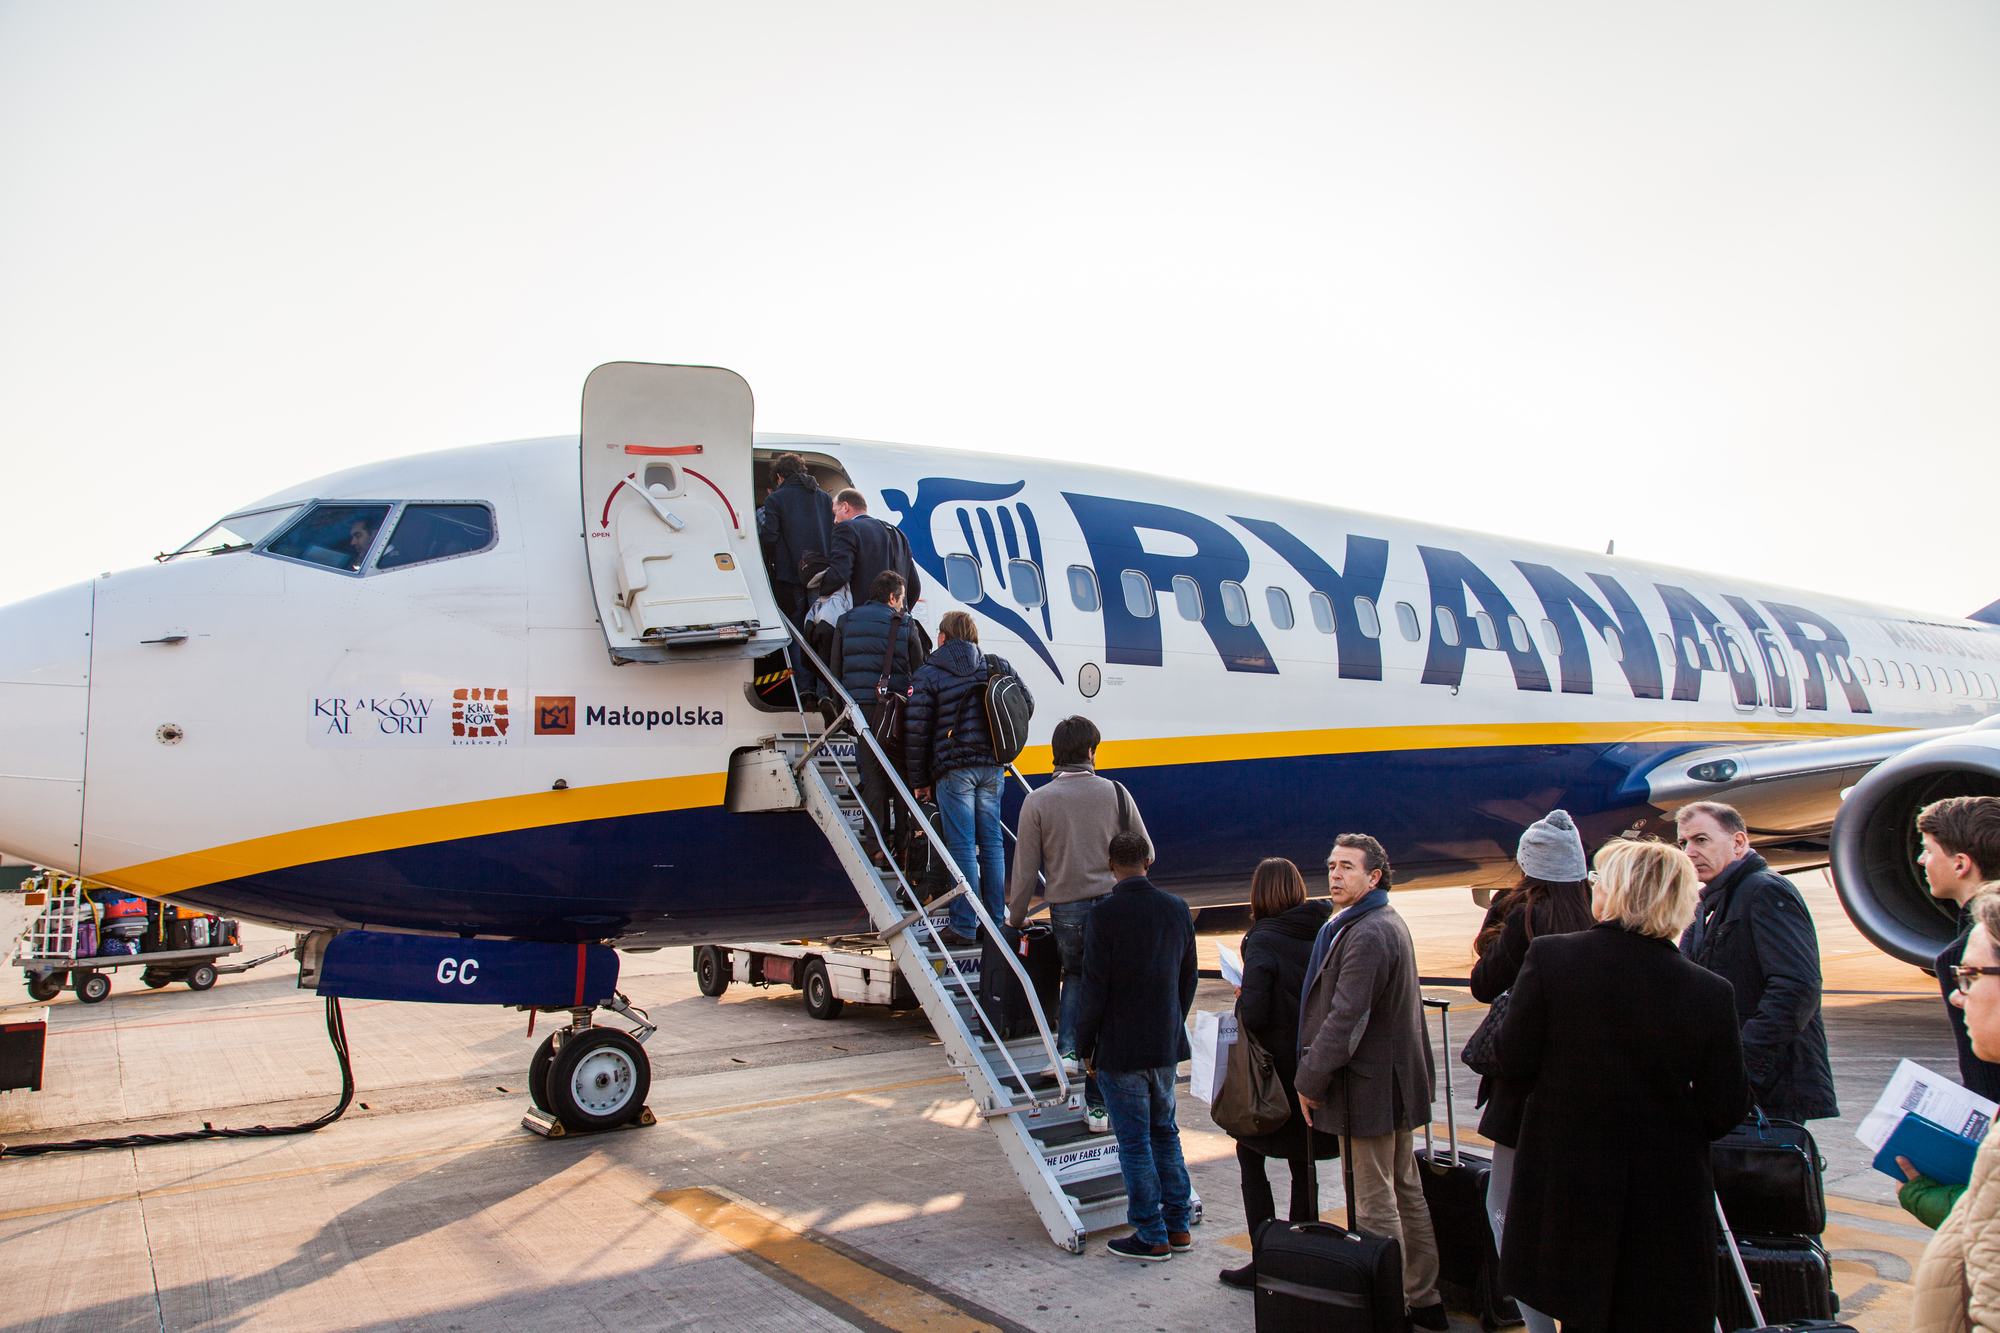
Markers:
point(670, 529)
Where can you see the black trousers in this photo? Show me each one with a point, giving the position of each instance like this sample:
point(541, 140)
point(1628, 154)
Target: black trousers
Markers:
point(795, 602)
point(1259, 1206)
point(874, 799)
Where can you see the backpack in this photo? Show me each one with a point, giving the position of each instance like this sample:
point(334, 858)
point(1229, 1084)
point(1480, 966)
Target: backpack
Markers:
point(1008, 710)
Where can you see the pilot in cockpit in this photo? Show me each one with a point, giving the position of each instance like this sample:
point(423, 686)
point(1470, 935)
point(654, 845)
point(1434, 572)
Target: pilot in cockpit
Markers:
point(360, 536)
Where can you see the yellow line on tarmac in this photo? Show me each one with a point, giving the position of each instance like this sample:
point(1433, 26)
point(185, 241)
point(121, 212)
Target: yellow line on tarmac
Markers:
point(892, 1304)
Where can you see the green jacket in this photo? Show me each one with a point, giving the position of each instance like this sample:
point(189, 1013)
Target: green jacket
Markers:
point(1928, 1201)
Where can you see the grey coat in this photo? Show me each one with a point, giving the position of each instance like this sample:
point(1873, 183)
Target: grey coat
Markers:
point(1362, 1033)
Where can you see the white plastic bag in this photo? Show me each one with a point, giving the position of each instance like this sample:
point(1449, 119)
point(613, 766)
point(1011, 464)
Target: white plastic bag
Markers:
point(1211, 1035)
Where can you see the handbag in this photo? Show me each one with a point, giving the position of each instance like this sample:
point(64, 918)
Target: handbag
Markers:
point(1481, 1051)
point(1768, 1176)
point(1252, 1102)
point(891, 730)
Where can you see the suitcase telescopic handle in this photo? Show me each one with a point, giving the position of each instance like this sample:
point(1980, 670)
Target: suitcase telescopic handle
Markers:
point(1742, 1273)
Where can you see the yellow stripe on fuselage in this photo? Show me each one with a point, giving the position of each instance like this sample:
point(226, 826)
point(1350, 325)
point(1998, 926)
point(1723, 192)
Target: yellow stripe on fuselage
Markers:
point(444, 823)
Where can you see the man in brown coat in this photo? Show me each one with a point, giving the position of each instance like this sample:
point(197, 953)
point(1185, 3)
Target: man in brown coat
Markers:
point(1365, 1064)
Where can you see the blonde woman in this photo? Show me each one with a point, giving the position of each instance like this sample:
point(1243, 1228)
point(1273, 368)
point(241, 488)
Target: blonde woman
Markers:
point(1958, 1282)
point(1633, 1067)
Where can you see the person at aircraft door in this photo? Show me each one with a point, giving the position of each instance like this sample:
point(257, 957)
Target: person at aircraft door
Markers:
point(1060, 838)
point(1139, 978)
point(875, 651)
point(1365, 1068)
point(1753, 928)
point(864, 546)
point(1631, 1063)
point(948, 749)
point(797, 521)
point(1553, 898)
point(1957, 1282)
point(1284, 923)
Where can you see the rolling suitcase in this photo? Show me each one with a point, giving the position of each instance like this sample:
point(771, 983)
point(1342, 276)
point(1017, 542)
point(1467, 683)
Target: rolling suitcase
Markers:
point(1455, 1191)
point(1000, 993)
point(1769, 1282)
point(1315, 1277)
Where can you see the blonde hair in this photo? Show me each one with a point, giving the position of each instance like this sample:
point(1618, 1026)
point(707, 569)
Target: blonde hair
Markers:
point(1985, 909)
point(959, 625)
point(1648, 888)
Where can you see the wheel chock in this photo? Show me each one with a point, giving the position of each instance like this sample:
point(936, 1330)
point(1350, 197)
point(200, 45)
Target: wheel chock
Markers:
point(538, 1121)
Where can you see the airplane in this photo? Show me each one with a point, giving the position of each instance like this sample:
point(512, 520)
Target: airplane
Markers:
point(498, 692)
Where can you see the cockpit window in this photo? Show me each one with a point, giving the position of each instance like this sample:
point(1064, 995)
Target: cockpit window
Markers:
point(436, 532)
point(334, 535)
point(238, 532)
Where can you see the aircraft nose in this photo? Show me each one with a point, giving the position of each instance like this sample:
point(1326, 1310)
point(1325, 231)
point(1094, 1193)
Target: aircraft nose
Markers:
point(44, 707)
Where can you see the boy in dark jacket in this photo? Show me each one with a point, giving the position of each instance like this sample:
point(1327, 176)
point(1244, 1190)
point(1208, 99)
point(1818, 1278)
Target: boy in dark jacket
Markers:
point(948, 751)
point(1138, 985)
point(861, 655)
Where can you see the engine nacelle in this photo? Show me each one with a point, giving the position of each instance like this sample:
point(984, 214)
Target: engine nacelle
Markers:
point(1876, 845)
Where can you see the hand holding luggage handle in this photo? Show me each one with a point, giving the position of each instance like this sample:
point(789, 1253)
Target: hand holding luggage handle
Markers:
point(1742, 1273)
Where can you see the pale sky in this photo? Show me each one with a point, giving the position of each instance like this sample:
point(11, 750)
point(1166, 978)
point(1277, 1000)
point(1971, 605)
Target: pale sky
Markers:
point(1718, 280)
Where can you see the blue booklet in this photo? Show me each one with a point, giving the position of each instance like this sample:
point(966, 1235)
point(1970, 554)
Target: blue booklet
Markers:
point(1934, 1150)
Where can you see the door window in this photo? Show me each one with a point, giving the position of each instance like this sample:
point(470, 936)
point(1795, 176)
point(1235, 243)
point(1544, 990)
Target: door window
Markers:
point(333, 536)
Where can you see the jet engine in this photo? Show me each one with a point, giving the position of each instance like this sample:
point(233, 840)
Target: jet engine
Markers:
point(1876, 845)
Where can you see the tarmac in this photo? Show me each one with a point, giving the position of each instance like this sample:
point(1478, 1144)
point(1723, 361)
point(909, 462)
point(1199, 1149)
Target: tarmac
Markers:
point(802, 1174)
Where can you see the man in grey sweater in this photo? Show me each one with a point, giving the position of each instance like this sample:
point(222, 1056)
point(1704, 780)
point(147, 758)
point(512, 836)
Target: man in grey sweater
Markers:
point(1065, 828)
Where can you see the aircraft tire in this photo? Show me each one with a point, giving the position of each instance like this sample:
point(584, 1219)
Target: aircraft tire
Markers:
point(599, 1080)
point(710, 972)
point(200, 977)
point(93, 987)
point(821, 1002)
point(47, 986)
point(538, 1073)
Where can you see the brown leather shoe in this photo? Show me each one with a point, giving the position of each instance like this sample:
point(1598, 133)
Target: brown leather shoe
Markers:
point(1180, 1241)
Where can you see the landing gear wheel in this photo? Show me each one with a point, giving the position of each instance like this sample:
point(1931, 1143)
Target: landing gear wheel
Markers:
point(538, 1073)
point(92, 987)
point(201, 976)
point(155, 980)
point(46, 986)
point(599, 1080)
point(821, 1002)
point(710, 971)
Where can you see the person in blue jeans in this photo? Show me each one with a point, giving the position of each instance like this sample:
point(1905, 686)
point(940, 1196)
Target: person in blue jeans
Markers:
point(1059, 849)
point(1139, 977)
point(947, 752)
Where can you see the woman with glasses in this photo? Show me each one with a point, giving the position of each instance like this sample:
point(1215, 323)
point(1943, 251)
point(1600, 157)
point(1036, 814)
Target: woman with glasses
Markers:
point(1631, 1064)
point(1958, 1281)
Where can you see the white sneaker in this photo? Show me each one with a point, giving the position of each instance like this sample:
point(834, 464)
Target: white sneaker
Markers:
point(1072, 1066)
point(1098, 1121)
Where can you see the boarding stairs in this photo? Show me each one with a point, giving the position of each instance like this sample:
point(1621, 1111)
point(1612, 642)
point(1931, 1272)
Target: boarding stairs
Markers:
point(1070, 1175)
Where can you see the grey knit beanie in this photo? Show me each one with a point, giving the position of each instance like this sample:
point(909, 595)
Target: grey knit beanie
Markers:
point(1552, 850)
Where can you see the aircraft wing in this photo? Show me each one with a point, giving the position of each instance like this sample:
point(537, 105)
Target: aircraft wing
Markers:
point(1791, 787)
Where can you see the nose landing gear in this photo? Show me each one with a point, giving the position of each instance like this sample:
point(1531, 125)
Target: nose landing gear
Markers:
point(585, 1078)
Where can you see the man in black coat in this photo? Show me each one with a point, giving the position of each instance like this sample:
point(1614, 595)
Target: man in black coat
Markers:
point(1961, 841)
point(1752, 928)
point(1139, 976)
point(864, 546)
point(796, 518)
point(865, 662)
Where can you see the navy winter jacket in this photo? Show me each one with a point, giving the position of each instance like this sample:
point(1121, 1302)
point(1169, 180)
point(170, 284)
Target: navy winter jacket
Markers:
point(945, 726)
point(859, 643)
point(1139, 977)
point(797, 517)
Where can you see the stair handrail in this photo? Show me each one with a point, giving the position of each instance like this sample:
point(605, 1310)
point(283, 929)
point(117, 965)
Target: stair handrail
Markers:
point(865, 734)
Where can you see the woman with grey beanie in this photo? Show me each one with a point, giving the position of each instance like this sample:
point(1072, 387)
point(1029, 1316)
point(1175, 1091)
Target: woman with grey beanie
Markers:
point(1552, 898)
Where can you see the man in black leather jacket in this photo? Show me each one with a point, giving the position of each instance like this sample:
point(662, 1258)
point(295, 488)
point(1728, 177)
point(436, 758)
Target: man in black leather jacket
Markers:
point(1752, 928)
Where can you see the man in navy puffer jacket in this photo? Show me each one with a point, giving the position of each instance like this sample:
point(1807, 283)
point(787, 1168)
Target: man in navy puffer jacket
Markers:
point(861, 652)
point(948, 750)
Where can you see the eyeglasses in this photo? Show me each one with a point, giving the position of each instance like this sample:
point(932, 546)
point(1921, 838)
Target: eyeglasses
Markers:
point(1965, 976)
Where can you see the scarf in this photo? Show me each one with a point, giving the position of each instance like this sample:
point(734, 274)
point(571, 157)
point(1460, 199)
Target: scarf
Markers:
point(1328, 933)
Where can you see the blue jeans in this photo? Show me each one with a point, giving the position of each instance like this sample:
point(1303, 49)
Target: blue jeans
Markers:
point(1157, 1191)
point(968, 801)
point(1067, 921)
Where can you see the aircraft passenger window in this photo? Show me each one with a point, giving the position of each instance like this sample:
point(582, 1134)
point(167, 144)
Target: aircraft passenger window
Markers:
point(1907, 677)
point(1961, 680)
point(1138, 594)
point(961, 577)
point(1736, 660)
point(1860, 668)
point(1280, 604)
point(1026, 576)
point(1364, 615)
point(1990, 692)
point(1616, 644)
point(1447, 626)
point(1407, 622)
point(335, 536)
point(1235, 604)
point(436, 532)
point(1881, 675)
point(1840, 666)
point(1552, 638)
point(236, 533)
point(1187, 597)
point(1083, 588)
point(1708, 662)
point(1668, 653)
point(1322, 606)
point(1517, 631)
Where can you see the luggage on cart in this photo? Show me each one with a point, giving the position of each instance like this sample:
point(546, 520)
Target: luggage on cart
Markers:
point(86, 938)
point(1768, 1174)
point(197, 932)
point(1455, 1190)
point(1772, 1281)
point(1315, 1277)
point(226, 932)
point(1000, 993)
point(124, 915)
point(116, 946)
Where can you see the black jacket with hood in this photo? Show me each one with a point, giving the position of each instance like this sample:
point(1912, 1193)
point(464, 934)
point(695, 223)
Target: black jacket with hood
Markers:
point(798, 517)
